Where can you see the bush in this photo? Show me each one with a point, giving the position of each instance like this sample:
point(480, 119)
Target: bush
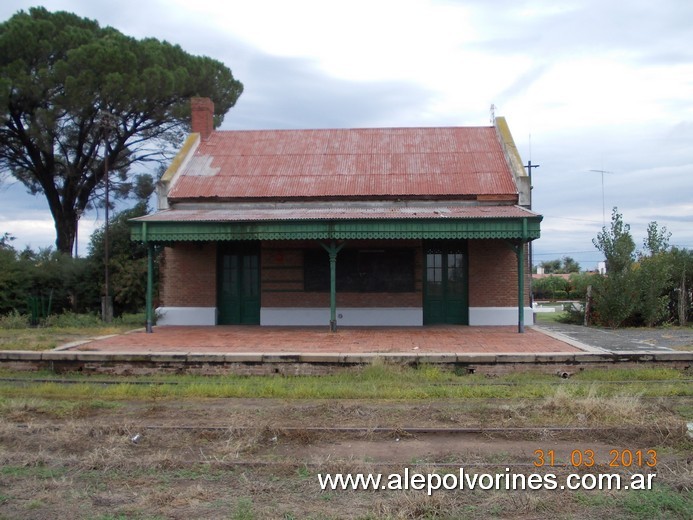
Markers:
point(134, 320)
point(70, 319)
point(127, 263)
point(615, 298)
point(560, 295)
point(28, 279)
point(654, 281)
point(654, 290)
point(578, 285)
point(14, 320)
point(550, 288)
point(572, 314)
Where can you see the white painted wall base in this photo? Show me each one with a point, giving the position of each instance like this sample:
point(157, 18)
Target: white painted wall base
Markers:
point(347, 316)
point(186, 316)
point(479, 316)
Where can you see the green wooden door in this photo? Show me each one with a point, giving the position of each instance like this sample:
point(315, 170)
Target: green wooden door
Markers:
point(445, 284)
point(238, 291)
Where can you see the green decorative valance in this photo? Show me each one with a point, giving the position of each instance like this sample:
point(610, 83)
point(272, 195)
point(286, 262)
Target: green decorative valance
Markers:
point(524, 228)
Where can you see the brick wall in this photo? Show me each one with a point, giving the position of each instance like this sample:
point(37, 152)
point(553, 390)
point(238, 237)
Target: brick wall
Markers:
point(189, 275)
point(493, 274)
point(202, 116)
point(282, 278)
point(148, 365)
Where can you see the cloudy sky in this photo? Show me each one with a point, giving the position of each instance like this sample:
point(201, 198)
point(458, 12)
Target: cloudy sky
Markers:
point(584, 85)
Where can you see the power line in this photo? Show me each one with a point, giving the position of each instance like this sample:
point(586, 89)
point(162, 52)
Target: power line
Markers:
point(570, 218)
point(565, 253)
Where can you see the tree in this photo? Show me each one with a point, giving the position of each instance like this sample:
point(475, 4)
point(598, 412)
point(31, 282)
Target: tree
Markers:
point(566, 265)
point(551, 266)
point(75, 95)
point(653, 275)
point(570, 265)
point(657, 240)
point(616, 295)
point(127, 262)
point(682, 278)
point(616, 244)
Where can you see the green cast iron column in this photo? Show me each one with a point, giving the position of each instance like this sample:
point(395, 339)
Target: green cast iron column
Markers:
point(332, 250)
point(521, 279)
point(521, 288)
point(150, 279)
point(150, 286)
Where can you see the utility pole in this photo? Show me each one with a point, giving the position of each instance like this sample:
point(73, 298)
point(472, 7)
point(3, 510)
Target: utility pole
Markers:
point(529, 167)
point(107, 124)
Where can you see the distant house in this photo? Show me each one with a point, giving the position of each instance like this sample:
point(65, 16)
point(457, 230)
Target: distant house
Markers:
point(372, 226)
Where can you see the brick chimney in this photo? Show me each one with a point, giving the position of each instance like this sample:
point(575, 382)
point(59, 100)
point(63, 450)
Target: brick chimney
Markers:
point(202, 116)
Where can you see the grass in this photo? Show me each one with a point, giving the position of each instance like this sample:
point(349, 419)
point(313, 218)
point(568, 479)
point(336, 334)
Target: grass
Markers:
point(661, 502)
point(549, 317)
point(47, 338)
point(67, 450)
point(377, 381)
point(558, 316)
point(658, 503)
point(56, 330)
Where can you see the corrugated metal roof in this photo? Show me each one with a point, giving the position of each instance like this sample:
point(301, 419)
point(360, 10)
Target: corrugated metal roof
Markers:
point(456, 161)
point(336, 213)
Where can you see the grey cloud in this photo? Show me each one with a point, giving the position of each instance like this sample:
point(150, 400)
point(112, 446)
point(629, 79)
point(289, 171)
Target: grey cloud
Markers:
point(293, 93)
point(641, 30)
point(523, 82)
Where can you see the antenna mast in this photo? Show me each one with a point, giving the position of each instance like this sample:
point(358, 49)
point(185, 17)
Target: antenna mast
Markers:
point(603, 204)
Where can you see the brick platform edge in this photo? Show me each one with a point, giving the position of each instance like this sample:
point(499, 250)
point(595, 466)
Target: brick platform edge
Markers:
point(115, 363)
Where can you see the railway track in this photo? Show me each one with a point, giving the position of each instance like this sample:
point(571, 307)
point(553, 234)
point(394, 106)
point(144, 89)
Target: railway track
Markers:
point(560, 382)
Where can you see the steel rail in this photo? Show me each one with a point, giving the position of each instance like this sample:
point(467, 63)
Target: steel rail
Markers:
point(452, 383)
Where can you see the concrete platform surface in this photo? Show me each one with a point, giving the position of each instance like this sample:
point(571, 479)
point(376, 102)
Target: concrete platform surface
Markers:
point(640, 339)
point(431, 339)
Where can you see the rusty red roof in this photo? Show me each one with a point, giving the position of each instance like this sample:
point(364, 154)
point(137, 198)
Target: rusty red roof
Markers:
point(336, 212)
point(463, 162)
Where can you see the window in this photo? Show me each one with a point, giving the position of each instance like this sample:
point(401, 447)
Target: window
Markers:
point(360, 270)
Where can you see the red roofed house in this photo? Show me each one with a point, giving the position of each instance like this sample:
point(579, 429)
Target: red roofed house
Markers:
point(378, 226)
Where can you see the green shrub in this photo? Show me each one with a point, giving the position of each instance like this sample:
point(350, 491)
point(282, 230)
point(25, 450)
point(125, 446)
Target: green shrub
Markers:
point(572, 314)
point(549, 288)
point(615, 298)
point(134, 320)
point(654, 281)
point(70, 319)
point(560, 295)
point(14, 320)
point(578, 285)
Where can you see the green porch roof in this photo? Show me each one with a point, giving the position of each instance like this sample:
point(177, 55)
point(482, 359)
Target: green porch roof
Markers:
point(522, 228)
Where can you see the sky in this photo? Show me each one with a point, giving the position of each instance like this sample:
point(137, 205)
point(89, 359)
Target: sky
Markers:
point(585, 85)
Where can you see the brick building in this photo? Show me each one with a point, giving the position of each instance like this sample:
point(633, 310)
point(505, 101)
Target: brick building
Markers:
point(380, 226)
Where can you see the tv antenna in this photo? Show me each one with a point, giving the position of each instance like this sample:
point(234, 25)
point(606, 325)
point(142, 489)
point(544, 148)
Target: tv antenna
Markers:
point(603, 204)
point(493, 113)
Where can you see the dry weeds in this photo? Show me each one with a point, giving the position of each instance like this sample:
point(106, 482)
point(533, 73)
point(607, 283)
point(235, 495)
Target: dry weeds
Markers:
point(87, 465)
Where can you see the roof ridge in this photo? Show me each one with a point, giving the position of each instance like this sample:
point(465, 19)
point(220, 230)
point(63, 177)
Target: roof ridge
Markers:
point(364, 128)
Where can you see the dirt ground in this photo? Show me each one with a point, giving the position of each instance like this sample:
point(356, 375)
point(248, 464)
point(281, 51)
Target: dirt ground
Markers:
point(260, 458)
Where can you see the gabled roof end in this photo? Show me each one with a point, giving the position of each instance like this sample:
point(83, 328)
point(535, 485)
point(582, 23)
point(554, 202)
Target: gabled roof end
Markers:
point(514, 161)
